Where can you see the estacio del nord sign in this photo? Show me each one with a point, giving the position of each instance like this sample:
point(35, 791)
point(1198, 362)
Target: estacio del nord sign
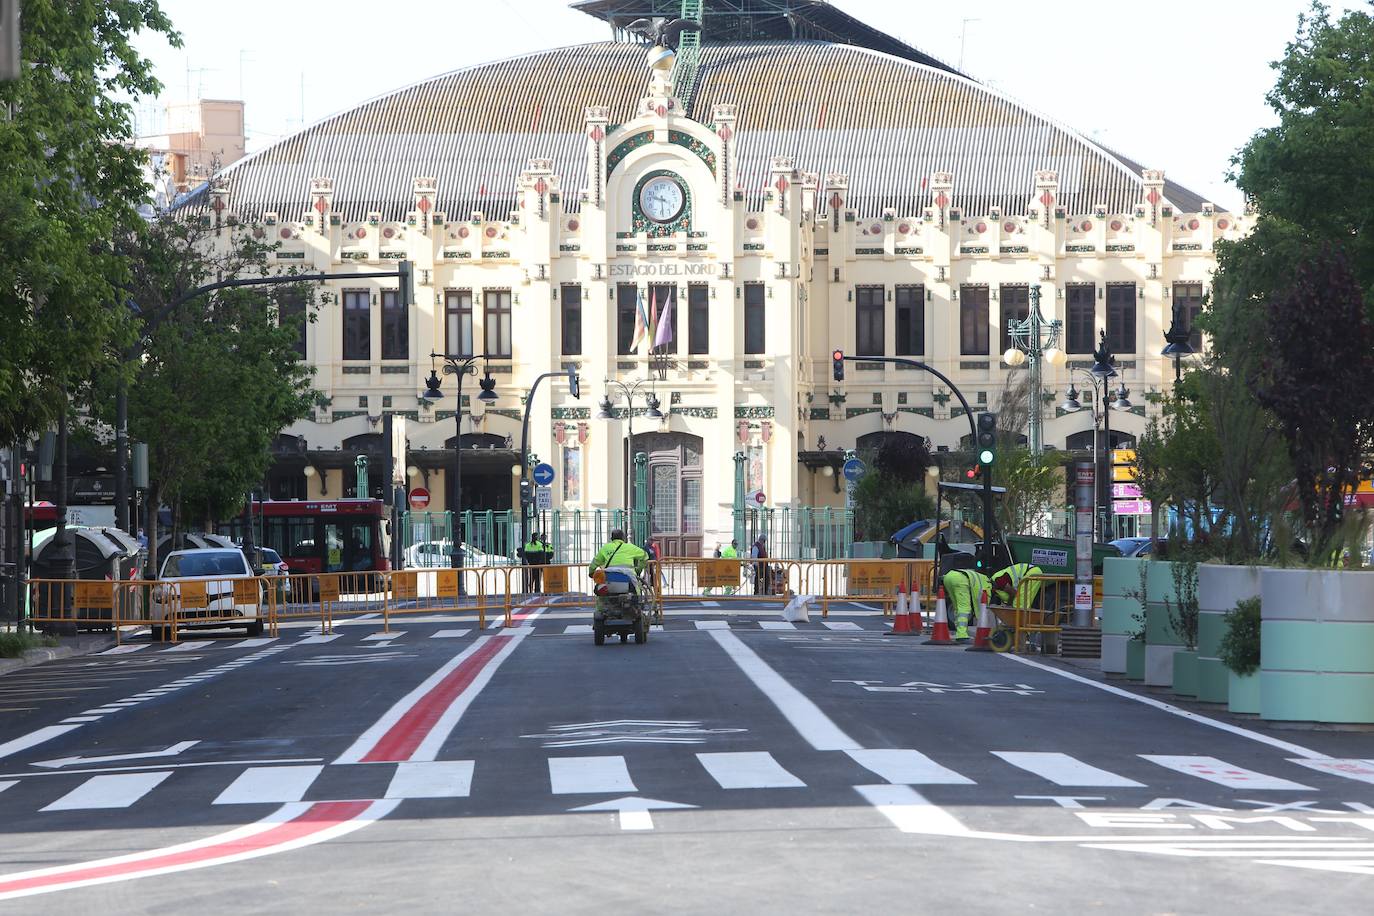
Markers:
point(664, 269)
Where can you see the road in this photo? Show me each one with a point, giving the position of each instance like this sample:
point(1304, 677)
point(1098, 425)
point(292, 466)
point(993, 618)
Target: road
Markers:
point(733, 763)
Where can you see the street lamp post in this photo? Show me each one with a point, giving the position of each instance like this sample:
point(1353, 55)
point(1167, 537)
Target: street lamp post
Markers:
point(1035, 339)
point(607, 412)
point(1101, 372)
point(459, 366)
point(526, 492)
point(1177, 344)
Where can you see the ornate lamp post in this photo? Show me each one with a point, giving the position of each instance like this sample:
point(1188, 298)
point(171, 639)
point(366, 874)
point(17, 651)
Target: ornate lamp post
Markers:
point(459, 366)
point(1033, 340)
point(1098, 378)
point(607, 412)
point(1177, 345)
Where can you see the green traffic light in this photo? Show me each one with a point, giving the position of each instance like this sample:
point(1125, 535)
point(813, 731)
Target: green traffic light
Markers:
point(985, 456)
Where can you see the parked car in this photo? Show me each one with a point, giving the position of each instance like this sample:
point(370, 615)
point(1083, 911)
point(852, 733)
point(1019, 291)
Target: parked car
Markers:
point(219, 569)
point(1136, 546)
point(436, 555)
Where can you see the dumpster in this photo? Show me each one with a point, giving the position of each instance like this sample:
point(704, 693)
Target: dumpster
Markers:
point(101, 553)
point(1055, 556)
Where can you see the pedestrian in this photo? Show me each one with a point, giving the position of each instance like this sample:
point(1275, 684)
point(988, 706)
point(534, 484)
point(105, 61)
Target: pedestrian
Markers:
point(535, 557)
point(759, 555)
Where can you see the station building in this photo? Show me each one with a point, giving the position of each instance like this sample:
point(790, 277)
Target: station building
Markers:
point(784, 186)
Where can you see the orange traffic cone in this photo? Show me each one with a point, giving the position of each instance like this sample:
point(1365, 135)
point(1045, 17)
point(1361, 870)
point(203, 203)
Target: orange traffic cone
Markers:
point(984, 630)
point(901, 621)
point(939, 627)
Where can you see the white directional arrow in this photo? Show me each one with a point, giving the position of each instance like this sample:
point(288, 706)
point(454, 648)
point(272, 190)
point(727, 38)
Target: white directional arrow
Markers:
point(634, 812)
point(70, 761)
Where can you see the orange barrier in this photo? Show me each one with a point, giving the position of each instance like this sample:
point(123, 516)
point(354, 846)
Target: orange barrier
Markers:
point(1051, 609)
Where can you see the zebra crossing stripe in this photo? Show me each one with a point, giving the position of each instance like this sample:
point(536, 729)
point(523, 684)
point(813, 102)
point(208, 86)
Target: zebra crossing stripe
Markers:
point(431, 779)
point(907, 767)
point(576, 775)
point(1361, 770)
point(1225, 774)
point(118, 790)
point(748, 770)
point(1063, 770)
point(259, 785)
point(712, 624)
point(840, 625)
point(776, 625)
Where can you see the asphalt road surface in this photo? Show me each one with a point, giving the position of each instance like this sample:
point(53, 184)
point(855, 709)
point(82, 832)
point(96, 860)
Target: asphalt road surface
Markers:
point(734, 763)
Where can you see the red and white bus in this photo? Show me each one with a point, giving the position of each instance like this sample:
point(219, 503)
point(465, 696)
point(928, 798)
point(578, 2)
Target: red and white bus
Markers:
point(320, 535)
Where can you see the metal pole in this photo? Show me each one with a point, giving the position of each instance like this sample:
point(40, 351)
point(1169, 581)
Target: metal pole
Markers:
point(1102, 490)
point(629, 463)
point(1034, 356)
point(456, 558)
point(121, 461)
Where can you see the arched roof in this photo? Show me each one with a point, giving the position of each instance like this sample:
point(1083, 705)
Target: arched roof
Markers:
point(886, 122)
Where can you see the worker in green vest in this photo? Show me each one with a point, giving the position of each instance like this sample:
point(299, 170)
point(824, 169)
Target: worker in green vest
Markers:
point(536, 552)
point(1008, 588)
point(728, 552)
point(963, 589)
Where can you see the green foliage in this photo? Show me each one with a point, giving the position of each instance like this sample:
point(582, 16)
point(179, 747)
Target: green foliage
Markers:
point(16, 642)
point(69, 186)
point(884, 503)
point(1141, 596)
point(1239, 649)
point(1178, 453)
point(1183, 616)
point(1033, 487)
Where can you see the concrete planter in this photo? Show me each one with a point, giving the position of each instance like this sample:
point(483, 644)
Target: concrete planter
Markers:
point(1135, 659)
point(1219, 587)
point(1161, 642)
point(1185, 673)
point(1243, 693)
point(1119, 576)
point(1317, 629)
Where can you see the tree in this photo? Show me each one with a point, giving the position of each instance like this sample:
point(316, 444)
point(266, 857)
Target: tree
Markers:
point(69, 187)
point(891, 495)
point(218, 377)
point(1031, 484)
point(1316, 379)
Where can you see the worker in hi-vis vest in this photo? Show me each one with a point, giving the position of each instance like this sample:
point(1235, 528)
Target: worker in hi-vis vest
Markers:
point(963, 588)
point(1008, 588)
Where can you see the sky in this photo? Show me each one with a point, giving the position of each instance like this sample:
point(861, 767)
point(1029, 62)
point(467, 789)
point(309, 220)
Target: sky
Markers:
point(1173, 84)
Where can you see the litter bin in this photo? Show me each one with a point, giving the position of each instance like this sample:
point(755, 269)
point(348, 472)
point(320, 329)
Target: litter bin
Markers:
point(101, 553)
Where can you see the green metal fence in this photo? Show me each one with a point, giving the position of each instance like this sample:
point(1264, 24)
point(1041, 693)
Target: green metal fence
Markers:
point(800, 532)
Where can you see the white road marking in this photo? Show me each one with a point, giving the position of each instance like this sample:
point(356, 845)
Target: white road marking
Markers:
point(577, 629)
point(776, 625)
point(712, 624)
point(910, 812)
point(1361, 770)
point(315, 640)
point(117, 791)
point(263, 785)
point(38, 736)
point(840, 625)
point(431, 779)
point(124, 650)
point(1223, 773)
point(392, 635)
point(748, 770)
point(907, 767)
point(187, 646)
point(449, 634)
point(170, 751)
point(574, 775)
point(1172, 710)
point(634, 812)
point(7, 783)
point(81, 719)
point(1063, 770)
point(710, 603)
point(805, 716)
point(254, 642)
point(1351, 866)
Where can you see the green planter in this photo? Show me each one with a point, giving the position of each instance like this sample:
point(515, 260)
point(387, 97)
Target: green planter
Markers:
point(1119, 576)
point(1135, 659)
point(1185, 673)
point(1161, 642)
point(1243, 693)
point(1219, 587)
point(1317, 664)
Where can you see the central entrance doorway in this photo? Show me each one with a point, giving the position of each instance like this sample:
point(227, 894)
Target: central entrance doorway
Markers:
point(674, 491)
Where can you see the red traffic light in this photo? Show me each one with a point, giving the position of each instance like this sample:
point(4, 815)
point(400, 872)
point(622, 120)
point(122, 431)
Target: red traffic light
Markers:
point(972, 473)
point(837, 355)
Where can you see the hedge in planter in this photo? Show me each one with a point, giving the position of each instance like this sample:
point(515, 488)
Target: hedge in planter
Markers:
point(1239, 651)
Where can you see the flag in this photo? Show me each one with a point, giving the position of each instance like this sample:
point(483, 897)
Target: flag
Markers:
point(665, 324)
point(641, 322)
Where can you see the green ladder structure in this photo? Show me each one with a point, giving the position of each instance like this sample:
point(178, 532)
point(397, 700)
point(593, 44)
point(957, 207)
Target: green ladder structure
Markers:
point(688, 57)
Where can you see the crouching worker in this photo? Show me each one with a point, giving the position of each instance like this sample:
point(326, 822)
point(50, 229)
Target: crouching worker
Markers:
point(1008, 588)
point(963, 588)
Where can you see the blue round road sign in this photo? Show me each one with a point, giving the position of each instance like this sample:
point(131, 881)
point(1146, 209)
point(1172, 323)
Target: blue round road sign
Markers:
point(853, 469)
point(543, 474)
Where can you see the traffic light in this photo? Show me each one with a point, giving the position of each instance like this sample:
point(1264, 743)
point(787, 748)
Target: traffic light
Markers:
point(838, 357)
point(987, 438)
point(972, 473)
point(405, 289)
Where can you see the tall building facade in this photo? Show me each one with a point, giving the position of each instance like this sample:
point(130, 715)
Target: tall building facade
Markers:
point(802, 194)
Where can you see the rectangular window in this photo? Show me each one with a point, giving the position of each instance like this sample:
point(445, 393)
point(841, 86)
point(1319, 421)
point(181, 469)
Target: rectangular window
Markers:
point(869, 336)
point(458, 322)
point(357, 324)
point(626, 306)
point(292, 312)
point(973, 320)
point(496, 321)
point(570, 299)
point(911, 320)
point(1080, 317)
point(395, 327)
point(698, 318)
point(753, 318)
point(1188, 296)
point(1015, 302)
point(1121, 317)
point(663, 314)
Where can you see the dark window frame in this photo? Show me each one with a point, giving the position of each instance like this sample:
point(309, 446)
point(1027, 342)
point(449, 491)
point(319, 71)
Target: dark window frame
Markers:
point(626, 306)
point(1121, 318)
point(698, 319)
point(1191, 295)
point(458, 308)
point(755, 319)
point(496, 320)
point(1080, 317)
point(975, 315)
point(1013, 302)
point(357, 324)
point(909, 303)
point(570, 319)
point(293, 305)
point(870, 326)
point(395, 327)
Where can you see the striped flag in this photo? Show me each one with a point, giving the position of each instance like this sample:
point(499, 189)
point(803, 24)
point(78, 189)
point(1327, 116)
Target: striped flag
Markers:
point(641, 321)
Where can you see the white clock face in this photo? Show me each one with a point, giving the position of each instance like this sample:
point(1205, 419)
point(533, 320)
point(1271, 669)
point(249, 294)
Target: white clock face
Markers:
point(662, 199)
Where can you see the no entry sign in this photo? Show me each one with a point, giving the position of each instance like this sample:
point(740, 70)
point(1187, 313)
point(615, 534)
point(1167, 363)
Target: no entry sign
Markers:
point(419, 498)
